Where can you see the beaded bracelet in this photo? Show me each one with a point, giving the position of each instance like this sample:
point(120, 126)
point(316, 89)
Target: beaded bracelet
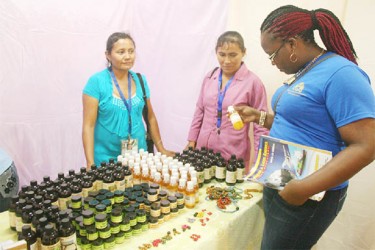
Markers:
point(262, 118)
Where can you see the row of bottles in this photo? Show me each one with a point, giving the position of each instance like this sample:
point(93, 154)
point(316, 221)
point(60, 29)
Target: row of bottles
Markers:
point(210, 166)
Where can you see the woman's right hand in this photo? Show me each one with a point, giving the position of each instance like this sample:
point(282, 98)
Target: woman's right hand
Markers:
point(247, 113)
point(190, 144)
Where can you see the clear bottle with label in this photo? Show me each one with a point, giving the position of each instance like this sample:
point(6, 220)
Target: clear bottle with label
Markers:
point(190, 195)
point(50, 238)
point(29, 236)
point(235, 118)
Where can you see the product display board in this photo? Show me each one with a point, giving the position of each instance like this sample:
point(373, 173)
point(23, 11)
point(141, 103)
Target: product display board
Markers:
point(205, 226)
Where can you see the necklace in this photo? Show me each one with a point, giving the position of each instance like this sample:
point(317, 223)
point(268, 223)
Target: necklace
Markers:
point(303, 70)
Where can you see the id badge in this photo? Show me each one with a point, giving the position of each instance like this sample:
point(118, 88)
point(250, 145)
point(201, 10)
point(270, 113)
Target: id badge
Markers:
point(128, 146)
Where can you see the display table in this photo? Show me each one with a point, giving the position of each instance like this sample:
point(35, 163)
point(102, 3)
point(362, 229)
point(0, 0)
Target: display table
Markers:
point(229, 231)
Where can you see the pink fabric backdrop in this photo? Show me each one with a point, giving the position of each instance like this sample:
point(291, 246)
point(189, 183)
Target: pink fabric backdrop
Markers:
point(50, 48)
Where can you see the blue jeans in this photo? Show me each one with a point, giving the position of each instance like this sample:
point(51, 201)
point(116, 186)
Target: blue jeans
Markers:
point(298, 227)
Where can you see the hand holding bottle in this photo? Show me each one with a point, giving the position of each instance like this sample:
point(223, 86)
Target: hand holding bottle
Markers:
point(247, 113)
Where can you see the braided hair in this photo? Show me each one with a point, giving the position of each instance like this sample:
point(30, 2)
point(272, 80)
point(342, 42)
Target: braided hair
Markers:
point(289, 21)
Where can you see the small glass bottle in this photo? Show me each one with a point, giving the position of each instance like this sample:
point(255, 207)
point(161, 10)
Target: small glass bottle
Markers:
point(235, 118)
point(65, 195)
point(29, 236)
point(12, 212)
point(231, 173)
point(87, 186)
point(128, 177)
point(220, 172)
point(200, 172)
point(67, 234)
point(50, 238)
point(240, 170)
point(76, 187)
point(190, 195)
point(109, 181)
point(118, 175)
point(173, 185)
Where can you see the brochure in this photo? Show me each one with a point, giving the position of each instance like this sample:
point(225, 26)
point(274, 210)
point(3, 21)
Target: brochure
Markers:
point(280, 161)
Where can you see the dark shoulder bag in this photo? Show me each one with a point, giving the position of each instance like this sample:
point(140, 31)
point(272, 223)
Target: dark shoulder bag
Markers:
point(150, 143)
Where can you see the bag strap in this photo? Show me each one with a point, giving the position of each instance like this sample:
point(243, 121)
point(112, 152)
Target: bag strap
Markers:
point(213, 71)
point(145, 108)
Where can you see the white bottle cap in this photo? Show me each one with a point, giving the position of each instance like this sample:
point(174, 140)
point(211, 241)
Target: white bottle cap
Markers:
point(190, 185)
point(230, 109)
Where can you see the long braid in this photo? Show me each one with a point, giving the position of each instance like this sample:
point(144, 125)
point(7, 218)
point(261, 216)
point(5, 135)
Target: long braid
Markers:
point(289, 21)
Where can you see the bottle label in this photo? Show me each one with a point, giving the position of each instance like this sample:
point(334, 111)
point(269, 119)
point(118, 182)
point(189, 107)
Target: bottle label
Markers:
point(12, 219)
point(190, 200)
point(33, 246)
point(120, 185)
point(109, 186)
point(85, 191)
point(99, 184)
point(231, 177)
point(200, 177)
point(207, 174)
point(240, 173)
point(220, 173)
point(63, 203)
point(129, 181)
point(56, 246)
point(213, 170)
point(19, 224)
point(69, 243)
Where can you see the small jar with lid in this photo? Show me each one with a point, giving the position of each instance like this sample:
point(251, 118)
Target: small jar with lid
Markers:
point(116, 216)
point(92, 204)
point(161, 218)
point(86, 202)
point(108, 205)
point(92, 233)
point(120, 237)
point(153, 222)
point(77, 221)
point(82, 229)
point(155, 210)
point(105, 233)
point(167, 216)
point(118, 196)
point(88, 217)
point(115, 227)
point(180, 198)
point(165, 207)
point(125, 203)
point(97, 244)
point(152, 195)
point(76, 202)
point(84, 243)
point(125, 224)
point(137, 229)
point(109, 243)
point(147, 206)
point(101, 221)
point(144, 225)
point(128, 234)
point(141, 215)
point(110, 196)
point(140, 201)
point(163, 194)
point(101, 209)
point(100, 197)
point(132, 199)
point(132, 218)
point(155, 186)
point(174, 212)
point(128, 210)
point(172, 201)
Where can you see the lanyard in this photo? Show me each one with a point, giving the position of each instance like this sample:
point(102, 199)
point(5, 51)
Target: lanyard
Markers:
point(220, 98)
point(128, 104)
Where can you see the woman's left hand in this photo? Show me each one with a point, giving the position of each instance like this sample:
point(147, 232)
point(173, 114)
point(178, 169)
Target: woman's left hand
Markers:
point(293, 193)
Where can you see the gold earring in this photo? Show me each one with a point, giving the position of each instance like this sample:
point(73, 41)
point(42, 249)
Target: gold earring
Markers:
point(291, 57)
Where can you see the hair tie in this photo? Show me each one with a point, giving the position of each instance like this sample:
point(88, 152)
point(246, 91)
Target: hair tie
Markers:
point(315, 24)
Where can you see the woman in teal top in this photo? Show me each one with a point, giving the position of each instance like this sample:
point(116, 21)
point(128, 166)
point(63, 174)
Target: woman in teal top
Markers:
point(106, 106)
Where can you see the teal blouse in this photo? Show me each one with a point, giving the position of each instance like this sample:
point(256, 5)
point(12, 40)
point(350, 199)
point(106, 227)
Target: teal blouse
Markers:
point(112, 123)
